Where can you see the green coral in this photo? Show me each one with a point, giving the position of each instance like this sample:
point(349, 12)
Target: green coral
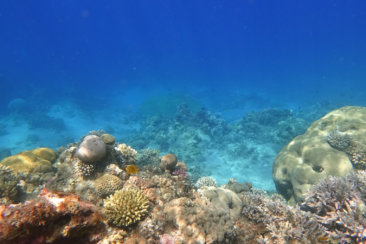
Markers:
point(126, 207)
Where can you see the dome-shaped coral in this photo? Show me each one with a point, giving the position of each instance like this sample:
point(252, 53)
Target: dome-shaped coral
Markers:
point(36, 160)
point(126, 207)
point(108, 184)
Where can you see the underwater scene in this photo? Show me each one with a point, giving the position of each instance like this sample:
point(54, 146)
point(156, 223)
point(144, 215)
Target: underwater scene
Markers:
point(185, 122)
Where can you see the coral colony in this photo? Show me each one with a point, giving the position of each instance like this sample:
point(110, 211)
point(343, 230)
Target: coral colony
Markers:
point(98, 190)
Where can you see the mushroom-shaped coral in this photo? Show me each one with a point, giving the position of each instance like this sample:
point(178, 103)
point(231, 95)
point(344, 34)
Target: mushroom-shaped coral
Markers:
point(92, 149)
point(126, 207)
point(168, 162)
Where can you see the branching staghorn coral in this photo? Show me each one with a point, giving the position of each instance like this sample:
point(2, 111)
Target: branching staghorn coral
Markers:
point(339, 204)
point(126, 207)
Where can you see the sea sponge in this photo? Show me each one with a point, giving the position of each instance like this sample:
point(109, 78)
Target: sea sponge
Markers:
point(92, 149)
point(309, 158)
point(37, 160)
point(168, 162)
point(126, 207)
point(107, 184)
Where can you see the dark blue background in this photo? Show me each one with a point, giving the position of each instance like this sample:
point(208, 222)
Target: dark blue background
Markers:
point(74, 47)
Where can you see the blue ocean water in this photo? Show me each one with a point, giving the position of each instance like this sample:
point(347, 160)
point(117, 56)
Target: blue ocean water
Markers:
point(69, 67)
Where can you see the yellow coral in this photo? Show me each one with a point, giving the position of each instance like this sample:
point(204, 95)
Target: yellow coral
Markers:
point(37, 160)
point(126, 207)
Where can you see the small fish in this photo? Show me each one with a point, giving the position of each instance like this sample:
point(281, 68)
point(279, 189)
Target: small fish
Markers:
point(132, 169)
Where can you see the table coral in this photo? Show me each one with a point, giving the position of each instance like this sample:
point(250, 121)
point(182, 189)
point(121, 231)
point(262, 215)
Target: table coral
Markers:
point(126, 207)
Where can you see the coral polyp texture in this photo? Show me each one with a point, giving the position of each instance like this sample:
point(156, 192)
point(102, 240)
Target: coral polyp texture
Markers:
point(128, 153)
point(107, 184)
point(206, 181)
point(126, 207)
point(51, 218)
point(36, 160)
point(331, 146)
point(8, 185)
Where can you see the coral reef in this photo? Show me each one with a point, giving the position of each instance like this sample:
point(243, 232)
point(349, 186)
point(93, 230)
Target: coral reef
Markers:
point(148, 157)
point(197, 221)
point(339, 207)
point(128, 153)
point(51, 218)
point(168, 162)
point(108, 139)
point(92, 149)
point(126, 207)
point(206, 181)
point(107, 184)
point(32, 161)
point(355, 151)
point(224, 199)
point(8, 185)
point(309, 158)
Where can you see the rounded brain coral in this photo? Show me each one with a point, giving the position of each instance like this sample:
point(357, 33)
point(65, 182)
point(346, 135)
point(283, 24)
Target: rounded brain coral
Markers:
point(107, 184)
point(126, 207)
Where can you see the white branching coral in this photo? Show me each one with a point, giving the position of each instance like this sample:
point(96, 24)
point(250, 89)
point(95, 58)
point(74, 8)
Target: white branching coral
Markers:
point(128, 153)
point(206, 181)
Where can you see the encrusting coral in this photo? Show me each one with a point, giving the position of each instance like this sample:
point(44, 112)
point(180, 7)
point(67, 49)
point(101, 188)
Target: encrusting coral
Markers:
point(51, 218)
point(36, 160)
point(8, 185)
point(126, 207)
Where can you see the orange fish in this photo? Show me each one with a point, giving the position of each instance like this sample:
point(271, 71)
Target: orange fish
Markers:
point(132, 169)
